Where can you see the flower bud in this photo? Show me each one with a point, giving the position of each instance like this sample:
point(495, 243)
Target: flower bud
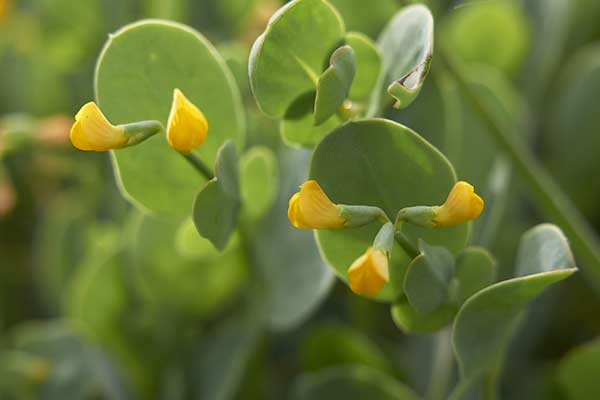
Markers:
point(462, 205)
point(310, 208)
point(369, 272)
point(187, 126)
point(92, 131)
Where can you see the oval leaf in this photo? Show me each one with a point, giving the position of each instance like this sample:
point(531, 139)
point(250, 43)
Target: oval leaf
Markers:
point(298, 128)
point(407, 47)
point(410, 320)
point(578, 372)
point(484, 324)
point(368, 66)
point(428, 278)
point(259, 181)
point(288, 58)
point(136, 83)
point(373, 162)
point(475, 270)
point(217, 205)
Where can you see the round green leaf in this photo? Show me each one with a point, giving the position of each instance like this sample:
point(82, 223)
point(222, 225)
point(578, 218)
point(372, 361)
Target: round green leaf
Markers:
point(350, 383)
point(407, 47)
point(365, 16)
point(368, 66)
point(288, 58)
point(410, 320)
point(578, 372)
point(259, 181)
point(377, 162)
point(136, 73)
point(196, 287)
point(428, 278)
point(190, 244)
point(475, 270)
point(486, 321)
point(297, 128)
point(494, 32)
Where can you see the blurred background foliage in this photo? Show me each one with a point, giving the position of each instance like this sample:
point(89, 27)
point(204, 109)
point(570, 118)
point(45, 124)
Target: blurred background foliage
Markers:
point(100, 302)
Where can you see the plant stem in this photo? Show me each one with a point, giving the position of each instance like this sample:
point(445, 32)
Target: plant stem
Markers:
point(406, 244)
point(545, 191)
point(442, 366)
point(199, 165)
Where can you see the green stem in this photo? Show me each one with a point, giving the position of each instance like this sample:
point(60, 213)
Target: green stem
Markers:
point(545, 191)
point(406, 244)
point(199, 165)
point(441, 370)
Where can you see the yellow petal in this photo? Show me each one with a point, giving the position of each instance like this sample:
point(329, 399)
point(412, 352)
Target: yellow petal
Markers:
point(369, 272)
point(92, 131)
point(311, 209)
point(462, 205)
point(187, 126)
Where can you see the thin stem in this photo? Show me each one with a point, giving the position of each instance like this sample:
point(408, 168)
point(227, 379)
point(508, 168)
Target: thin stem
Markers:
point(544, 190)
point(442, 366)
point(199, 165)
point(406, 244)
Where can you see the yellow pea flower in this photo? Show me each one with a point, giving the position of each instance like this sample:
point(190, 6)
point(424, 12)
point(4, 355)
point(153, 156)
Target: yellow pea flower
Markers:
point(187, 125)
point(369, 272)
point(92, 131)
point(310, 208)
point(462, 205)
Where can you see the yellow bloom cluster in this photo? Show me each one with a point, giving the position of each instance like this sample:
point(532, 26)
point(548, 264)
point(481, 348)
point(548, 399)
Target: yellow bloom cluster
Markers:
point(310, 208)
point(187, 128)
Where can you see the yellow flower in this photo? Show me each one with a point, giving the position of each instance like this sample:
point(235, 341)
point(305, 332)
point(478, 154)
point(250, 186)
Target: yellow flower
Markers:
point(92, 131)
point(187, 125)
point(311, 208)
point(369, 272)
point(462, 205)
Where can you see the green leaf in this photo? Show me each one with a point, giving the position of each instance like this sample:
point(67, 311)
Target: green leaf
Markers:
point(297, 128)
point(543, 248)
point(428, 278)
point(217, 205)
point(259, 181)
point(374, 162)
point(475, 270)
point(497, 33)
point(189, 244)
point(486, 321)
point(334, 84)
point(195, 287)
point(410, 320)
point(573, 120)
point(135, 82)
point(223, 355)
point(364, 16)
point(578, 372)
point(332, 343)
point(350, 383)
point(287, 259)
point(368, 66)
point(407, 47)
point(74, 369)
point(288, 58)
